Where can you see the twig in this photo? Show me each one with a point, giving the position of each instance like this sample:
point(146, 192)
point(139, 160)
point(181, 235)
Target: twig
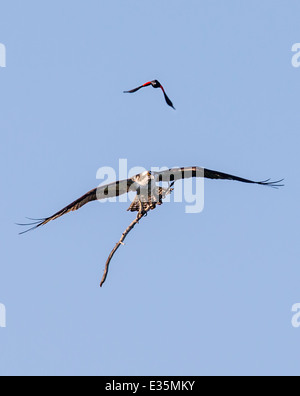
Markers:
point(139, 216)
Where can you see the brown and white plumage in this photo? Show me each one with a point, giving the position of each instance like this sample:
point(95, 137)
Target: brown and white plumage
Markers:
point(154, 198)
point(174, 174)
point(108, 191)
point(148, 193)
point(148, 196)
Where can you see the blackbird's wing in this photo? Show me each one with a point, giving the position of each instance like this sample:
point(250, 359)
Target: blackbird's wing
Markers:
point(136, 89)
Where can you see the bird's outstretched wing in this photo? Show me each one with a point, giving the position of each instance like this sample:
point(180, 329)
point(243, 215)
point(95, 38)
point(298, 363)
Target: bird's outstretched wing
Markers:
point(167, 99)
point(195, 171)
point(155, 84)
point(107, 191)
point(136, 89)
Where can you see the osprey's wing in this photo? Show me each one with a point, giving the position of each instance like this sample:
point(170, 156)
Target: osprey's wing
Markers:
point(114, 189)
point(195, 171)
point(136, 89)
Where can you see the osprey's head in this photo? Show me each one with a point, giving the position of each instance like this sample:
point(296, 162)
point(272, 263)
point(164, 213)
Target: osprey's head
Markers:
point(147, 175)
point(144, 177)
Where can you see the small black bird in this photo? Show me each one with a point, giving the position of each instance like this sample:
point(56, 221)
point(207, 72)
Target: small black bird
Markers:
point(155, 84)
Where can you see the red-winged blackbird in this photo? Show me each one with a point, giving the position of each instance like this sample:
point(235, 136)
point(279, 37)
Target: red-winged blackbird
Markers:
point(155, 84)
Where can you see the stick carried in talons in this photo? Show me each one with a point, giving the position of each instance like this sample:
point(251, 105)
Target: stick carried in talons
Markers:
point(143, 211)
point(139, 216)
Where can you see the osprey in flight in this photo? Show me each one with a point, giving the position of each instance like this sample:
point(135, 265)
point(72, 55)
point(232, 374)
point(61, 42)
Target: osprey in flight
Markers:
point(148, 194)
point(155, 84)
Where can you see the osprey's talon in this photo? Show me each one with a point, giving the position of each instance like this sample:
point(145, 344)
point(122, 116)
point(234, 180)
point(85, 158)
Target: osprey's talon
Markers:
point(147, 193)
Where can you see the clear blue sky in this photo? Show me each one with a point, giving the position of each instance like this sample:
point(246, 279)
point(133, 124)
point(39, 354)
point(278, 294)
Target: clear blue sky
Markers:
point(207, 293)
